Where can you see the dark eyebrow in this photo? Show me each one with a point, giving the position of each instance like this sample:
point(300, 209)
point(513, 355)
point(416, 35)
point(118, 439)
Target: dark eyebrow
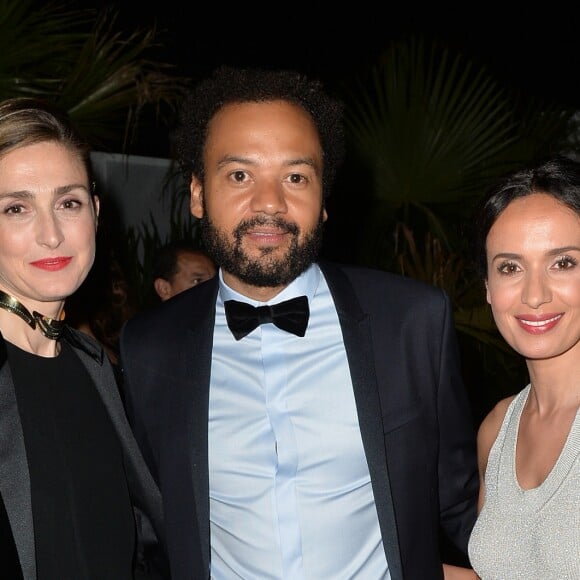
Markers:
point(507, 256)
point(553, 252)
point(246, 160)
point(303, 161)
point(18, 194)
point(563, 250)
point(71, 187)
point(63, 189)
point(234, 159)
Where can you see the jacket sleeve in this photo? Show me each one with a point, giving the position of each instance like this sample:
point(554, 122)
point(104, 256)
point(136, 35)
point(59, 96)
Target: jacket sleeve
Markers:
point(458, 475)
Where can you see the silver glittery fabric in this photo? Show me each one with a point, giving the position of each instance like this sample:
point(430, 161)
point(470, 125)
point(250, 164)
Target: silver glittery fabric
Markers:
point(528, 534)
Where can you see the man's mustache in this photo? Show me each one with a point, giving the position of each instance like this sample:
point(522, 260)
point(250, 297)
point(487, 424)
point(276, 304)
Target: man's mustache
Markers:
point(277, 222)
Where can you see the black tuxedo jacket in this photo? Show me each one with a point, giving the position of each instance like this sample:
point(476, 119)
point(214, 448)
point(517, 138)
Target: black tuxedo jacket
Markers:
point(413, 411)
point(18, 535)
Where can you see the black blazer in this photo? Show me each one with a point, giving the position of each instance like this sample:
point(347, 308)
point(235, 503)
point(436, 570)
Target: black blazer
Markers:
point(413, 411)
point(15, 479)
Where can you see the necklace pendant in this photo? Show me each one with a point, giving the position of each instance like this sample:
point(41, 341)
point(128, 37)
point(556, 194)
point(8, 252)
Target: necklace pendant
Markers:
point(49, 327)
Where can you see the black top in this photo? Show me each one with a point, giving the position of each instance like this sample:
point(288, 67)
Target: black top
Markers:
point(83, 519)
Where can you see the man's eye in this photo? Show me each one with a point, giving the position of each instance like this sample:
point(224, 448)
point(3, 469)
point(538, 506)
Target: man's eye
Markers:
point(239, 176)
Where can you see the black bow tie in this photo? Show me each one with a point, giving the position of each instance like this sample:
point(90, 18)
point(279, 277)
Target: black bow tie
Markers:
point(291, 315)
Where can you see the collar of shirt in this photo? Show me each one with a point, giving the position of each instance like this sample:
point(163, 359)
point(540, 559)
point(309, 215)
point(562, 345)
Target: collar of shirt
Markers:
point(305, 285)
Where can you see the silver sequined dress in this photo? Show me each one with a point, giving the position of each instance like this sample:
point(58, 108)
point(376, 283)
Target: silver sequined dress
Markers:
point(528, 534)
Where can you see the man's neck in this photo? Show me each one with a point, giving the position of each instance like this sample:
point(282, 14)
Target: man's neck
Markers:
point(259, 293)
point(304, 284)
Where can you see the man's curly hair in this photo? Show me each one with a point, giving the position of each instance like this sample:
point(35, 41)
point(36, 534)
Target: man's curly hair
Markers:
point(233, 85)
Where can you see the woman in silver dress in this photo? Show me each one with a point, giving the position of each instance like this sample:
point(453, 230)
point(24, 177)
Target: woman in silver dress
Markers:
point(528, 250)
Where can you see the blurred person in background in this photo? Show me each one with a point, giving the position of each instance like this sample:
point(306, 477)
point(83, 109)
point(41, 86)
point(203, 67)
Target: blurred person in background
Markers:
point(179, 265)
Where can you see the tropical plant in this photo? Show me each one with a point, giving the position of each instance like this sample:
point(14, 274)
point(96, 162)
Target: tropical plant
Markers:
point(426, 128)
point(79, 59)
point(107, 79)
point(432, 130)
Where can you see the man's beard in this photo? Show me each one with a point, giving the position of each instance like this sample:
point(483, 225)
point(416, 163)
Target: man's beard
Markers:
point(266, 271)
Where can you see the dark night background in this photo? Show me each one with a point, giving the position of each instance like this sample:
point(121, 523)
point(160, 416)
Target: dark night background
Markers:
point(537, 52)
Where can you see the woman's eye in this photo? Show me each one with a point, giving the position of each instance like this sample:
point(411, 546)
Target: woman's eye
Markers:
point(13, 209)
point(507, 268)
point(71, 204)
point(566, 263)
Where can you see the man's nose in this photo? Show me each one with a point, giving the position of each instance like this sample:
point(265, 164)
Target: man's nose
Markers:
point(269, 197)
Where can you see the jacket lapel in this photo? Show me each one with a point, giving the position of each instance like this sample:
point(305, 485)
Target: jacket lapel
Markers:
point(200, 339)
point(143, 490)
point(14, 475)
point(355, 325)
point(188, 406)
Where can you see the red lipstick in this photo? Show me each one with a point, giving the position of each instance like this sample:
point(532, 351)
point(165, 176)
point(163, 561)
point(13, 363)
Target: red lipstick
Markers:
point(52, 264)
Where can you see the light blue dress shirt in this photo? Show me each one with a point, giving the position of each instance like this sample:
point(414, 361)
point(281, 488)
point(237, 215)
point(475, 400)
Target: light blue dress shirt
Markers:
point(290, 490)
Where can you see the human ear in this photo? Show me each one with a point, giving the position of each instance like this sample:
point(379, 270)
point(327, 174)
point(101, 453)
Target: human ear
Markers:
point(97, 206)
point(196, 199)
point(162, 288)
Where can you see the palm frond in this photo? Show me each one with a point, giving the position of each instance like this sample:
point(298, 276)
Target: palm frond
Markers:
point(80, 60)
point(115, 75)
point(38, 45)
point(430, 122)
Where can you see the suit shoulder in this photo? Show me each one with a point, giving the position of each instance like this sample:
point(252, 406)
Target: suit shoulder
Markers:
point(84, 341)
point(372, 281)
point(174, 315)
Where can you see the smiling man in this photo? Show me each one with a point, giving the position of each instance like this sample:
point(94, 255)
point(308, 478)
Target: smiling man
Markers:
point(304, 419)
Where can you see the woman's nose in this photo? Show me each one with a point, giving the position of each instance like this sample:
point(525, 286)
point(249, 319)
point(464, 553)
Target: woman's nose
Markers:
point(49, 230)
point(536, 290)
